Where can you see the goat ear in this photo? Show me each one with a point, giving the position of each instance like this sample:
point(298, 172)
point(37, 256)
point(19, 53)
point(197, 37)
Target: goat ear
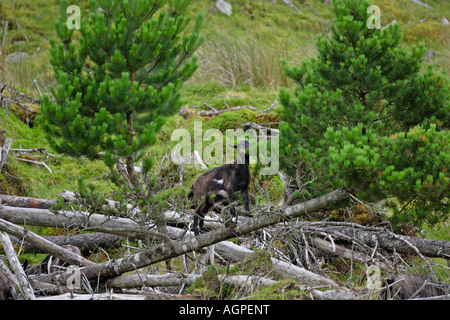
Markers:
point(234, 146)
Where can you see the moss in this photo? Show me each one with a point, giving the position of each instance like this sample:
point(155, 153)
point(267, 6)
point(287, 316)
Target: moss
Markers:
point(285, 289)
point(11, 183)
point(209, 286)
point(358, 213)
point(259, 263)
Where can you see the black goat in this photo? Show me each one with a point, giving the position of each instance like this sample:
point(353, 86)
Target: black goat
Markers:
point(219, 184)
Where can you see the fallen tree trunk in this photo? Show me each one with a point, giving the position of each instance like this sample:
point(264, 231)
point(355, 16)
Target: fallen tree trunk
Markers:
point(21, 277)
point(382, 238)
point(169, 250)
point(172, 217)
point(25, 202)
point(176, 280)
point(99, 296)
point(87, 243)
point(44, 244)
point(79, 220)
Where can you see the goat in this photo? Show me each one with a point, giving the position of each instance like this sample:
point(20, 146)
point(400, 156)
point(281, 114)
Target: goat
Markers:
point(407, 286)
point(222, 182)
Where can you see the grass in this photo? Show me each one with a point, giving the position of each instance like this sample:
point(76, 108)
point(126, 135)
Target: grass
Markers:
point(285, 289)
point(244, 48)
point(40, 183)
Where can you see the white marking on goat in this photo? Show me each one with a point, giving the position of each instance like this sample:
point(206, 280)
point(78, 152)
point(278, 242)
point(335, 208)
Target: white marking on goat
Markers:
point(222, 193)
point(218, 181)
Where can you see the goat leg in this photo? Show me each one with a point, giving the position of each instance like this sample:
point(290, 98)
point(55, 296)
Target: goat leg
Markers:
point(195, 227)
point(247, 203)
point(199, 216)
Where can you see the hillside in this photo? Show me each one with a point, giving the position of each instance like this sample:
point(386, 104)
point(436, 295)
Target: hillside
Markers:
point(239, 61)
point(239, 67)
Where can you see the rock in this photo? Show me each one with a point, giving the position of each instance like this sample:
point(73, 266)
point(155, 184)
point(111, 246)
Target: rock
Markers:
point(224, 7)
point(290, 4)
point(389, 24)
point(16, 57)
point(445, 21)
point(420, 3)
point(429, 54)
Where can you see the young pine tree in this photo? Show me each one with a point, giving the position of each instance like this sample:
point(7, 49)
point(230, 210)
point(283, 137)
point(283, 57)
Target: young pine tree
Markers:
point(119, 80)
point(364, 115)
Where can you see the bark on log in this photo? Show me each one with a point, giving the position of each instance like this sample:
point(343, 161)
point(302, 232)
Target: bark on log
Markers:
point(176, 280)
point(87, 243)
point(92, 222)
point(334, 295)
point(25, 202)
point(44, 244)
point(100, 296)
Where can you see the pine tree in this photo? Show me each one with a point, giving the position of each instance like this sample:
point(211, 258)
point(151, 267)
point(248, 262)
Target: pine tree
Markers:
point(364, 115)
point(119, 79)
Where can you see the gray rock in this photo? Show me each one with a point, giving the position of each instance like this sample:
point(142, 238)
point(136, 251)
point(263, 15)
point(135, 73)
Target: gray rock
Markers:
point(430, 53)
point(421, 3)
point(16, 57)
point(224, 7)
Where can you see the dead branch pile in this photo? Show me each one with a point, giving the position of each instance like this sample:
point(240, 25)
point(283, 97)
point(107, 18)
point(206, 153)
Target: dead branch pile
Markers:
point(299, 250)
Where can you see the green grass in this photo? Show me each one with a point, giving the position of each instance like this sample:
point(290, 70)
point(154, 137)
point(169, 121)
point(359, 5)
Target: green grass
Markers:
point(244, 48)
point(40, 183)
point(284, 289)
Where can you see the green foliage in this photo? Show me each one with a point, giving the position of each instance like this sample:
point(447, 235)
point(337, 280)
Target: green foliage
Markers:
point(257, 263)
point(209, 285)
point(116, 86)
point(10, 183)
point(285, 289)
point(362, 115)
